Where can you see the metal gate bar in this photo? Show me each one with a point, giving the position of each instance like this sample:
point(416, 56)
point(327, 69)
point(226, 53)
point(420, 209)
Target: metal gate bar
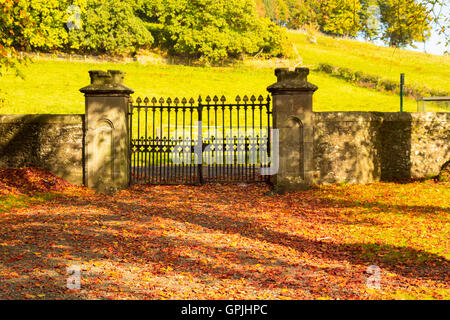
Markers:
point(190, 142)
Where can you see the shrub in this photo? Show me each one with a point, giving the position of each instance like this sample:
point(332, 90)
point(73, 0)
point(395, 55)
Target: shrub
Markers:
point(389, 85)
point(345, 73)
point(47, 31)
point(373, 79)
point(212, 30)
point(358, 75)
point(325, 67)
point(110, 26)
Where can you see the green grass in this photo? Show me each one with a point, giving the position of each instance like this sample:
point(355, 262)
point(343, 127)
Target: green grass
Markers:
point(432, 71)
point(53, 86)
point(8, 202)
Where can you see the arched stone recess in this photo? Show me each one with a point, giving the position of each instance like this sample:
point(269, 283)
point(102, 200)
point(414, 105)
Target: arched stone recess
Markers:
point(102, 153)
point(295, 126)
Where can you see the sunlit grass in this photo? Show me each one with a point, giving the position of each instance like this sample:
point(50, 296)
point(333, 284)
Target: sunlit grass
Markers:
point(53, 87)
point(420, 69)
point(7, 202)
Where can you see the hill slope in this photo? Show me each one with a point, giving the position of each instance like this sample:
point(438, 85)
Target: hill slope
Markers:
point(52, 86)
point(421, 70)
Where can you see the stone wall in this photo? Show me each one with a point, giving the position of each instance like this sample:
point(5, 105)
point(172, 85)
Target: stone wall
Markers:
point(414, 145)
point(352, 147)
point(52, 142)
point(362, 147)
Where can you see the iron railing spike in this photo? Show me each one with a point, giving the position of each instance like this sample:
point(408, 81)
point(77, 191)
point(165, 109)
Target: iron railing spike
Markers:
point(164, 142)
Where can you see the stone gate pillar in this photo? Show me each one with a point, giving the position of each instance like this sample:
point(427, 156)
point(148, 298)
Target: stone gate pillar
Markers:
point(293, 117)
point(106, 131)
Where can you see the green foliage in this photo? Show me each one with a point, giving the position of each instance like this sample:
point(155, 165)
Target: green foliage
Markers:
point(212, 30)
point(397, 22)
point(13, 20)
point(47, 31)
point(270, 7)
point(292, 14)
point(370, 17)
point(110, 26)
point(205, 29)
point(301, 13)
point(405, 21)
point(338, 17)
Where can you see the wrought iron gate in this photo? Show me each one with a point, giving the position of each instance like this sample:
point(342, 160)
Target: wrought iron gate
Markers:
point(190, 142)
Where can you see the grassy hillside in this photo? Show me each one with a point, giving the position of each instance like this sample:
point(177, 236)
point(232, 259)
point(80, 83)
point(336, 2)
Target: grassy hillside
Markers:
point(52, 86)
point(420, 69)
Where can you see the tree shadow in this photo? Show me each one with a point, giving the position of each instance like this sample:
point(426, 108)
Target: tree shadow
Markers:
point(89, 241)
point(406, 261)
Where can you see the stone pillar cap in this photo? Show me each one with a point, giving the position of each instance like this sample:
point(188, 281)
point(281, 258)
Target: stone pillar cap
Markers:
point(104, 82)
point(291, 80)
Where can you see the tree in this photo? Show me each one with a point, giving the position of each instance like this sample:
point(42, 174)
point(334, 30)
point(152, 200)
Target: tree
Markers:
point(212, 30)
point(405, 21)
point(270, 9)
point(260, 8)
point(110, 26)
point(370, 17)
point(300, 13)
point(13, 19)
point(338, 17)
point(47, 32)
